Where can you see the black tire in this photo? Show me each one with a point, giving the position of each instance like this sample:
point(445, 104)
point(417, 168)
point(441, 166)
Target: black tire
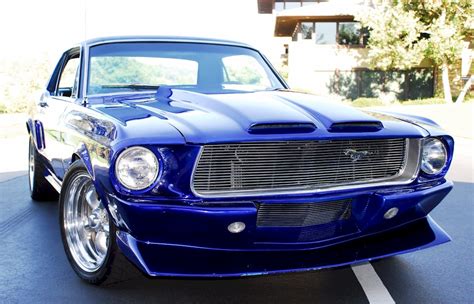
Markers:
point(115, 267)
point(40, 188)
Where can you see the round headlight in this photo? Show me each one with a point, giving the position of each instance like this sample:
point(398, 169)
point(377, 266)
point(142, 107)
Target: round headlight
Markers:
point(137, 168)
point(434, 156)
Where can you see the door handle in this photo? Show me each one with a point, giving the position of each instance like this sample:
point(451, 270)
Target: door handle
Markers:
point(43, 104)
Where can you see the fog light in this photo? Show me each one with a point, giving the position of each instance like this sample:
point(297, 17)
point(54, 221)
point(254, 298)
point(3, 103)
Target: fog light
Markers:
point(236, 227)
point(391, 213)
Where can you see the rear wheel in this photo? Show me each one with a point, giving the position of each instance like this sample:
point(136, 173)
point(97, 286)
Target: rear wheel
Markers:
point(40, 188)
point(87, 231)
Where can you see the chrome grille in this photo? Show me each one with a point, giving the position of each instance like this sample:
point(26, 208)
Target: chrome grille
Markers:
point(296, 165)
point(302, 215)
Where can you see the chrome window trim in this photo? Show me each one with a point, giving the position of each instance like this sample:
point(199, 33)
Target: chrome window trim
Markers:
point(407, 175)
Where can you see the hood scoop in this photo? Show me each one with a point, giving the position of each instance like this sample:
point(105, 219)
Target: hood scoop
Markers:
point(356, 126)
point(281, 128)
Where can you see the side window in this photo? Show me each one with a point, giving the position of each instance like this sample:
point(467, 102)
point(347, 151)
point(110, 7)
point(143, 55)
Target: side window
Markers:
point(68, 80)
point(244, 72)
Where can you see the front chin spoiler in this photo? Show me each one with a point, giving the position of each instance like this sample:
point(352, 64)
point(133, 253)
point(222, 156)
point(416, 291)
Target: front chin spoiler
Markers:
point(157, 259)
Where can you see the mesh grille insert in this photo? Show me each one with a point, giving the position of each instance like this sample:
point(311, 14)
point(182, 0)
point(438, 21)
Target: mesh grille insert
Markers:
point(303, 215)
point(296, 165)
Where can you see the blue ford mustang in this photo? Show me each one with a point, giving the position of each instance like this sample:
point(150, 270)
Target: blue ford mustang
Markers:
point(192, 157)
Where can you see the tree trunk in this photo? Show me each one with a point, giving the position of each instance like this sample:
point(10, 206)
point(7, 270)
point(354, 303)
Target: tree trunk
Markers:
point(446, 86)
point(464, 90)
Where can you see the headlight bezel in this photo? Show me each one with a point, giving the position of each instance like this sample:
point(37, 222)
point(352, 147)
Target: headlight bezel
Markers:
point(445, 149)
point(156, 175)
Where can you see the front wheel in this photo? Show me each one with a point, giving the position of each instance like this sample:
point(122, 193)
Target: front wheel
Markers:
point(87, 231)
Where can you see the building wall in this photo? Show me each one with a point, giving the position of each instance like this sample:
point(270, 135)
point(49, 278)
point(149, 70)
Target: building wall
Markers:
point(344, 72)
point(311, 66)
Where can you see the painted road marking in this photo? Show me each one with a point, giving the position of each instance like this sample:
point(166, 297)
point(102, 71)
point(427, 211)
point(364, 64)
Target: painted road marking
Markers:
point(372, 285)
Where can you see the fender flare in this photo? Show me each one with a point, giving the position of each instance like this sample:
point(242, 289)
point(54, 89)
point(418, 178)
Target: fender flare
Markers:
point(82, 153)
point(36, 130)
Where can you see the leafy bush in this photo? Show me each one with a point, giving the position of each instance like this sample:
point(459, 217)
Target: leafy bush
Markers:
point(21, 83)
point(367, 102)
point(3, 108)
point(375, 102)
point(424, 101)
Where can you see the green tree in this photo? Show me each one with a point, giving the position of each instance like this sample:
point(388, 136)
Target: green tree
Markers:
point(22, 81)
point(405, 32)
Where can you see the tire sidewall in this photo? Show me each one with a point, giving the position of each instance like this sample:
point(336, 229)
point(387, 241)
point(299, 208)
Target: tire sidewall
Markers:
point(40, 188)
point(31, 179)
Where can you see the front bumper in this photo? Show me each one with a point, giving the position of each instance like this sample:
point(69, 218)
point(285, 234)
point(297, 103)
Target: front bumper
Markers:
point(173, 240)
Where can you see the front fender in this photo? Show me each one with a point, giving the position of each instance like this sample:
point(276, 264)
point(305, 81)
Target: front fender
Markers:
point(429, 125)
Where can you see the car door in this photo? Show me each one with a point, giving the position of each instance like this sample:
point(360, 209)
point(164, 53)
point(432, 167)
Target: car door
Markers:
point(62, 91)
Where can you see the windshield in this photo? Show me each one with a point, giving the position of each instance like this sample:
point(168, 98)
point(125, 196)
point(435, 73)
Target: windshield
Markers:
point(204, 68)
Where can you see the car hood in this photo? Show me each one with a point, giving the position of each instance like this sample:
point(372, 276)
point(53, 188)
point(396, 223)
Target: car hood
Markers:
point(255, 116)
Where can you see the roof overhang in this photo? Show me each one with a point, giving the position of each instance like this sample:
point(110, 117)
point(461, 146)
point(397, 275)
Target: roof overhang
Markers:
point(287, 20)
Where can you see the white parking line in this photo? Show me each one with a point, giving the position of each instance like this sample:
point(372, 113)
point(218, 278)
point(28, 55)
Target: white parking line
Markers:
point(371, 283)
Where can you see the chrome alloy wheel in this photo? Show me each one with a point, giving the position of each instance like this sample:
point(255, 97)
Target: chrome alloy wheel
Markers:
point(31, 164)
point(86, 224)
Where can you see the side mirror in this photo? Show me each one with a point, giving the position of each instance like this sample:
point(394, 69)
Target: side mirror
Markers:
point(65, 92)
point(46, 94)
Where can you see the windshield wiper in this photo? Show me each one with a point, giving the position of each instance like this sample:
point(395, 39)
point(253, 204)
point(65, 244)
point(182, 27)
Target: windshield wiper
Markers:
point(133, 86)
point(273, 89)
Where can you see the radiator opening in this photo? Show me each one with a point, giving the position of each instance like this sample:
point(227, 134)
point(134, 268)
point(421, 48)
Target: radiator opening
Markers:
point(303, 214)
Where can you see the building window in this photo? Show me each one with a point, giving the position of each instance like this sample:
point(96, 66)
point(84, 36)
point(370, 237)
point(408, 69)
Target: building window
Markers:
point(308, 2)
point(307, 29)
point(342, 33)
point(365, 34)
point(289, 4)
point(404, 84)
point(326, 32)
point(279, 6)
point(349, 33)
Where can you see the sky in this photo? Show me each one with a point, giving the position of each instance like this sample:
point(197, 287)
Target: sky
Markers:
point(51, 26)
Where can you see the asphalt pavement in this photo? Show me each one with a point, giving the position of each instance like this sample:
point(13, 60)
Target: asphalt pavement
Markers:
point(34, 268)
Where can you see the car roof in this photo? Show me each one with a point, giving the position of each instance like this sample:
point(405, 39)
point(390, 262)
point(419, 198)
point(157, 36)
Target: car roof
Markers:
point(114, 39)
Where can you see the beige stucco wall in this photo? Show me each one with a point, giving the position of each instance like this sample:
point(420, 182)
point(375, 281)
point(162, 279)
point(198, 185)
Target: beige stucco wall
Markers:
point(311, 67)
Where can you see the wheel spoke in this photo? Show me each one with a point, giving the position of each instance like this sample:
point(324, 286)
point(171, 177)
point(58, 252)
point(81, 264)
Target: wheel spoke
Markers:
point(105, 227)
point(86, 225)
point(91, 198)
point(101, 242)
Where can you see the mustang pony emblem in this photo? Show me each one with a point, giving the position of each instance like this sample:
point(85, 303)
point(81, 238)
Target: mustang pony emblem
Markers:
point(356, 155)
